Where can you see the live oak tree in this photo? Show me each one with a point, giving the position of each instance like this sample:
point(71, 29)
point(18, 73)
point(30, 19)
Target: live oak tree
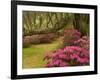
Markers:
point(35, 22)
point(81, 23)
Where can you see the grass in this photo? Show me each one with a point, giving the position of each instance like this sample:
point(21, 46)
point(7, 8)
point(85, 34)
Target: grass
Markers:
point(33, 56)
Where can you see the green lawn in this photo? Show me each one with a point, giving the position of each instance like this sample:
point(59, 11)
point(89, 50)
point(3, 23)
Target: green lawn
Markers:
point(33, 56)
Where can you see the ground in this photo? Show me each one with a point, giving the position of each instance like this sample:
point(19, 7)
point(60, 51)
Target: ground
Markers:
point(33, 56)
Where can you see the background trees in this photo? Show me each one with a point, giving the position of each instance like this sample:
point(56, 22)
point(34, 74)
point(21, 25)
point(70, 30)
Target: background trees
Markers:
point(45, 22)
point(81, 23)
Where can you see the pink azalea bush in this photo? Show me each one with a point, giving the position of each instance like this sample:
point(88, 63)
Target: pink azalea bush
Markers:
point(75, 51)
point(71, 35)
point(27, 41)
point(83, 42)
point(46, 38)
point(69, 56)
point(37, 39)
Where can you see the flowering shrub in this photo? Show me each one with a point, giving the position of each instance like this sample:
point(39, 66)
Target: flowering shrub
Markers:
point(83, 42)
point(27, 41)
point(46, 38)
point(71, 35)
point(69, 56)
point(35, 39)
point(38, 38)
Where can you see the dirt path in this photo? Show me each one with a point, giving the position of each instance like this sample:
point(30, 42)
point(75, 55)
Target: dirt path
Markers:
point(34, 55)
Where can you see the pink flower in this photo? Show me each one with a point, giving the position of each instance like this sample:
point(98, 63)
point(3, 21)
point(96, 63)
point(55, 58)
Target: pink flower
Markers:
point(68, 49)
point(70, 55)
point(47, 56)
point(63, 64)
point(82, 60)
point(74, 56)
point(55, 55)
point(83, 42)
point(71, 35)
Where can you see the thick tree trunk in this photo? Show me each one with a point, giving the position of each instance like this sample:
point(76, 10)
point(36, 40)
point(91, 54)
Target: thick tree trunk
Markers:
point(81, 23)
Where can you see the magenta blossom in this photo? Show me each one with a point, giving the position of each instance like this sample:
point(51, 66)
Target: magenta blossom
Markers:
point(69, 56)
